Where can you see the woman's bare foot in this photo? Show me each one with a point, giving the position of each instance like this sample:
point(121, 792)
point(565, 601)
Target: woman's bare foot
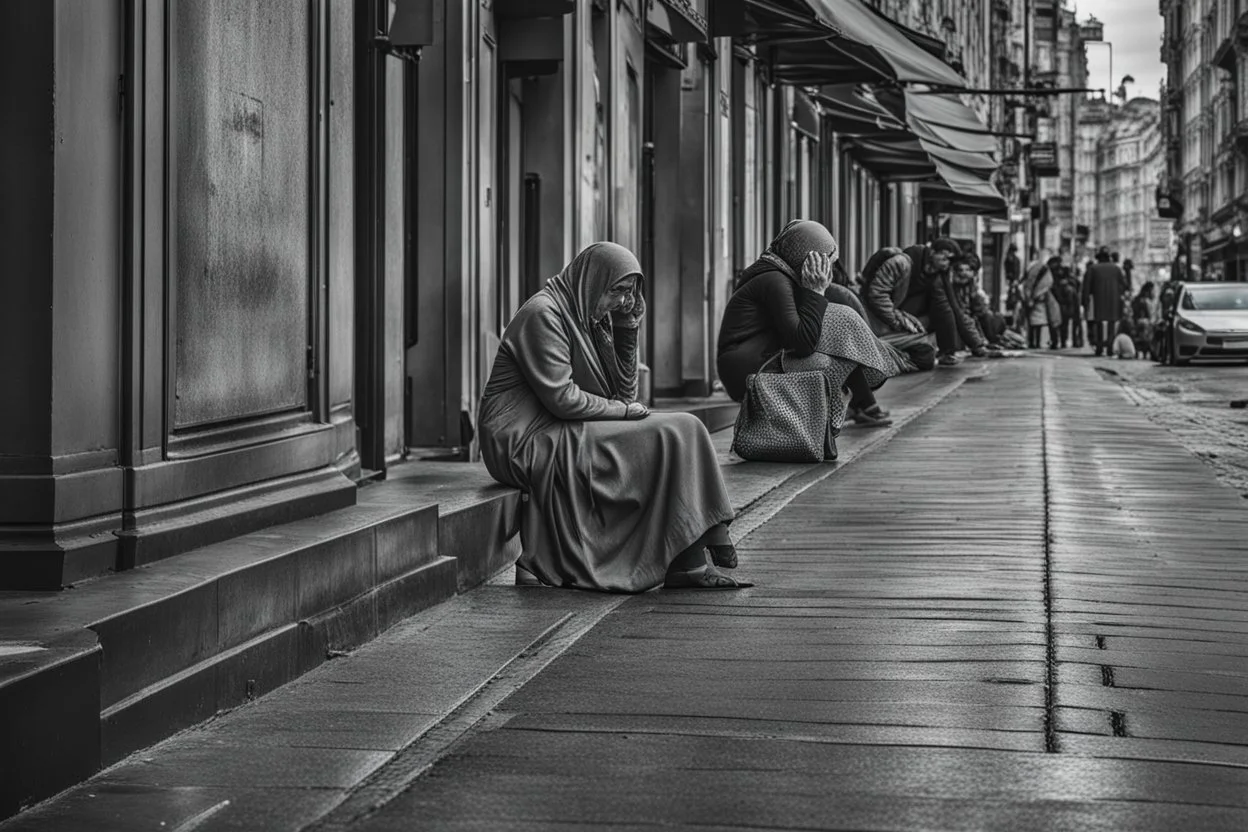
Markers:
point(703, 577)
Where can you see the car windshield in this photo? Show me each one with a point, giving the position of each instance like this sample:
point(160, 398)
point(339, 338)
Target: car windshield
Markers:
point(1220, 298)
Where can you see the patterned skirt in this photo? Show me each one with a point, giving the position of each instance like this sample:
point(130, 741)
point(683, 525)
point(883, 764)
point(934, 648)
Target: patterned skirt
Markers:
point(845, 344)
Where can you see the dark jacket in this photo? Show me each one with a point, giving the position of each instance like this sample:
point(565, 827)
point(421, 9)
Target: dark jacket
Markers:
point(884, 287)
point(768, 313)
point(1102, 288)
point(1013, 268)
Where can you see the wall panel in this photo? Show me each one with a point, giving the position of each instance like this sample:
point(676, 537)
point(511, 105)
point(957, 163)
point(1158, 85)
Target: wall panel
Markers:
point(240, 101)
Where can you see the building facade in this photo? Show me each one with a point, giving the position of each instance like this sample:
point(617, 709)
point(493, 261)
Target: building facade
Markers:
point(1205, 48)
point(262, 255)
point(1129, 165)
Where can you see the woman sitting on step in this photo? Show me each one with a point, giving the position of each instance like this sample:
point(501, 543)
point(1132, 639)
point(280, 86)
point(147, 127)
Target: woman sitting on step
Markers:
point(781, 304)
point(618, 499)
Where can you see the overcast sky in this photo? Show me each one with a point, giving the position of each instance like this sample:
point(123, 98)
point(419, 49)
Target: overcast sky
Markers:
point(1134, 29)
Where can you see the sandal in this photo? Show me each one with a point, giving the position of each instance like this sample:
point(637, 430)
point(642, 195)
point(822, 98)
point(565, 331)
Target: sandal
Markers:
point(704, 577)
point(870, 419)
point(725, 557)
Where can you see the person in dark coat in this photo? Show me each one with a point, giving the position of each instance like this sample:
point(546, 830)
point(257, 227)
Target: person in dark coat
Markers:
point(780, 305)
point(1013, 266)
point(1102, 298)
point(1066, 292)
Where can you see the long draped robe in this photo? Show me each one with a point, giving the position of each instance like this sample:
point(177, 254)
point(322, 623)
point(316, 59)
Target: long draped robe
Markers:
point(609, 503)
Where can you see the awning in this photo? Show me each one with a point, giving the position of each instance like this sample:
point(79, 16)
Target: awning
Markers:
point(877, 41)
point(944, 119)
point(813, 42)
point(944, 200)
point(854, 111)
point(934, 46)
point(679, 21)
point(913, 151)
point(805, 115)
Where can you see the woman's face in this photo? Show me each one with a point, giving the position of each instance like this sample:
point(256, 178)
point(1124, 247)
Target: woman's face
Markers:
point(963, 273)
point(619, 297)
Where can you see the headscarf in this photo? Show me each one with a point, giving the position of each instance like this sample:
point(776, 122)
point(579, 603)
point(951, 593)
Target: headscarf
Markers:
point(577, 290)
point(799, 238)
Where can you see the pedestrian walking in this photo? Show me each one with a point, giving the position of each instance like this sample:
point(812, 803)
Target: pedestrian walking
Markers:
point(617, 498)
point(782, 305)
point(1163, 332)
point(1076, 319)
point(1013, 268)
point(1102, 298)
point(1144, 318)
point(1040, 309)
point(1066, 293)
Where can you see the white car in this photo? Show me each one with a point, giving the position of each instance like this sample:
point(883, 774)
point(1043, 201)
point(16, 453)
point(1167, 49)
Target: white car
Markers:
point(1211, 321)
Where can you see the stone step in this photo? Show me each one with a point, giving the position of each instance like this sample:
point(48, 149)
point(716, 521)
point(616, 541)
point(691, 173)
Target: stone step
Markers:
point(154, 650)
point(267, 661)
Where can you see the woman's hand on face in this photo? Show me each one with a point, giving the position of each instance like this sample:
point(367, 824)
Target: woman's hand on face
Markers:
point(629, 315)
point(636, 410)
point(817, 271)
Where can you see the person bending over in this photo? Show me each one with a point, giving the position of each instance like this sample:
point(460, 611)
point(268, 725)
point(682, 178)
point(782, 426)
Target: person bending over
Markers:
point(618, 499)
point(929, 298)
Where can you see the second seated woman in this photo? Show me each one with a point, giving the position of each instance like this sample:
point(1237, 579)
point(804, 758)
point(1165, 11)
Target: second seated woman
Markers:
point(618, 499)
point(780, 306)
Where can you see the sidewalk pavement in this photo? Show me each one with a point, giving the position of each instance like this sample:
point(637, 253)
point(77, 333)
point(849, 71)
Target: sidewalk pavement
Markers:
point(1026, 609)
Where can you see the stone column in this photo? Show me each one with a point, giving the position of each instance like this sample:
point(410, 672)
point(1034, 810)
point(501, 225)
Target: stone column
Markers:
point(60, 231)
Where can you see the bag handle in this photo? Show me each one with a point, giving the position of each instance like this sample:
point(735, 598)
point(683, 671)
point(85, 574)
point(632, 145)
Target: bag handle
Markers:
point(774, 356)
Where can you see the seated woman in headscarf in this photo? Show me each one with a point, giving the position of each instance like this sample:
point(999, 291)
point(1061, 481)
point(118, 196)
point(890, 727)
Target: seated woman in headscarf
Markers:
point(780, 306)
point(618, 499)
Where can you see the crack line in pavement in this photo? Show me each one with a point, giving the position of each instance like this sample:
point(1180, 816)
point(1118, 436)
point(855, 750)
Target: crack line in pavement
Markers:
point(1050, 638)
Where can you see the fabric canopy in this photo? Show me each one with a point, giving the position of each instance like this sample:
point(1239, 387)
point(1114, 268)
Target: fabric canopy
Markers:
point(813, 42)
point(908, 149)
point(932, 45)
point(947, 201)
point(877, 41)
point(854, 111)
point(944, 119)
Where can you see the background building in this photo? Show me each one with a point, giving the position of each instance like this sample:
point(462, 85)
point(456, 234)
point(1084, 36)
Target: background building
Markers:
point(1129, 167)
point(1205, 48)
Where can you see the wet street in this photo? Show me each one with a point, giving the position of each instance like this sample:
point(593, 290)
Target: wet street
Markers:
point(1026, 607)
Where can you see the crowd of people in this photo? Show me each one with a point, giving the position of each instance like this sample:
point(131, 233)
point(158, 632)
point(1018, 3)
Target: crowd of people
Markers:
point(1053, 297)
point(620, 499)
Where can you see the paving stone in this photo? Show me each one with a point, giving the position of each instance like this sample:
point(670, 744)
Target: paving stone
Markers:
point(889, 671)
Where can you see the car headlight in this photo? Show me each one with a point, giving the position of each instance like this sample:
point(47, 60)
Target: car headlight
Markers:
point(1188, 326)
